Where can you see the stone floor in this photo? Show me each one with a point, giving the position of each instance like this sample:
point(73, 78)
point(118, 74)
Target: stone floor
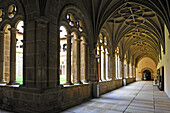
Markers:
point(3, 111)
point(138, 97)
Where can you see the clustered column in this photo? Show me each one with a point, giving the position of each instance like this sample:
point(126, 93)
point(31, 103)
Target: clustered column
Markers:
point(132, 69)
point(135, 72)
point(78, 79)
point(108, 55)
point(100, 63)
point(104, 65)
point(2, 77)
point(113, 68)
point(119, 68)
point(68, 78)
point(13, 57)
point(85, 61)
point(122, 69)
point(128, 69)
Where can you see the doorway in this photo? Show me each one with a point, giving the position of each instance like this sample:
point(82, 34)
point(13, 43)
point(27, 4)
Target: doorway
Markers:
point(146, 75)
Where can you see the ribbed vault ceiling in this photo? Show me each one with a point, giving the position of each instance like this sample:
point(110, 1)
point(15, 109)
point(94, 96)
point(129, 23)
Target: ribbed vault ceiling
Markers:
point(137, 29)
point(136, 26)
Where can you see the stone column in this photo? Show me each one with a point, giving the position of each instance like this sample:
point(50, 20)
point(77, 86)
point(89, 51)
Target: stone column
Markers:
point(2, 76)
point(89, 63)
point(119, 69)
point(135, 73)
point(95, 69)
point(85, 61)
point(132, 69)
point(100, 78)
point(122, 74)
point(78, 74)
point(68, 76)
point(122, 68)
point(13, 57)
point(104, 65)
point(116, 69)
point(108, 77)
point(128, 70)
point(113, 68)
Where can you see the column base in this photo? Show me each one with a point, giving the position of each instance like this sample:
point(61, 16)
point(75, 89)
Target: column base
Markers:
point(2, 82)
point(68, 83)
point(78, 83)
point(123, 82)
point(85, 81)
point(13, 83)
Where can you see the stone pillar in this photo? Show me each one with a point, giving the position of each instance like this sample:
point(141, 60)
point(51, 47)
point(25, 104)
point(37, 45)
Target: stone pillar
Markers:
point(119, 69)
point(89, 63)
point(56, 45)
point(2, 76)
point(108, 77)
point(42, 54)
point(100, 78)
point(128, 70)
point(86, 61)
point(13, 57)
point(78, 74)
point(135, 73)
point(104, 65)
point(122, 74)
point(113, 68)
point(95, 70)
point(122, 68)
point(132, 69)
point(68, 76)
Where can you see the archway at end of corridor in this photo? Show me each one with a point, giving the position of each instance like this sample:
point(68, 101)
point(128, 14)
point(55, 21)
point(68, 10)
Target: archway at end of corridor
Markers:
point(146, 75)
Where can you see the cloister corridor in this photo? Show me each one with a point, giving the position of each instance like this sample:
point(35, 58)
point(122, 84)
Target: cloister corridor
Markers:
point(84, 56)
point(138, 97)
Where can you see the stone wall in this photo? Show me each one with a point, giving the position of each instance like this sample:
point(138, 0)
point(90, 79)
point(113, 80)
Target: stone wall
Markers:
point(130, 80)
point(107, 86)
point(32, 100)
point(146, 64)
point(43, 101)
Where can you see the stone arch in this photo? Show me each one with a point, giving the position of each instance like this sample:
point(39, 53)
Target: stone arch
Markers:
point(84, 37)
point(137, 61)
point(67, 27)
point(152, 72)
point(14, 13)
point(73, 20)
point(16, 20)
point(20, 15)
point(4, 23)
point(104, 31)
point(76, 31)
point(79, 15)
